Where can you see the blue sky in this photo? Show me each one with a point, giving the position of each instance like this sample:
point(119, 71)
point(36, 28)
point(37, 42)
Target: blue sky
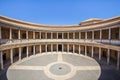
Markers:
point(59, 12)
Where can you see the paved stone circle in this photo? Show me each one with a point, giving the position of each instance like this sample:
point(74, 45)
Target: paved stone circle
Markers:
point(60, 69)
point(55, 66)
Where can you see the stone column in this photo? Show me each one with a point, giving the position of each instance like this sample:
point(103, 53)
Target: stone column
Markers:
point(57, 35)
point(26, 34)
point(109, 35)
point(68, 48)
point(51, 35)
point(62, 35)
point(20, 53)
point(33, 34)
point(1, 59)
point(73, 35)
point(79, 49)
point(119, 33)
point(46, 35)
point(93, 35)
point(10, 35)
point(0, 33)
point(108, 56)
point(51, 47)
point(57, 47)
point(62, 47)
point(11, 55)
point(79, 35)
point(118, 60)
point(92, 53)
point(73, 48)
point(40, 48)
point(68, 35)
point(46, 48)
point(100, 35)
point(33, 49)
point(86, 35)
point(40, 35)
point(27, 53)
point(19, 34)
point(99, 53)
point(85, 50)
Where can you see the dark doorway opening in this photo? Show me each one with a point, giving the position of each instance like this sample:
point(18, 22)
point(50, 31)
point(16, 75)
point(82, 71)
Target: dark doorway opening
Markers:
point(59, 47)
point(59, 36)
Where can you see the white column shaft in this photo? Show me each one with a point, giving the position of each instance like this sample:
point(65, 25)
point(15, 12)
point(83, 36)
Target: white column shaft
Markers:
point(51, 35)
point(10, 33)
point(92, 53)
point(34, 50)
point(79, 35)
point(11, 55)
point(40, 35)
point(46, 48)
point(118, 60)
point(19, 34)
point(33, 34)
point(108, 56)
point(27, 51)
point(1, 59)
point(26, 34)
point(19, 53)
point(85, 50)
point(40, 48)
point(73, 48)
point(79, 49)
point(51, 47)
point(67, 47)
point(62, 47)
point(92, 35)
point(99, 53)
point(0, 33)
point(68, 35)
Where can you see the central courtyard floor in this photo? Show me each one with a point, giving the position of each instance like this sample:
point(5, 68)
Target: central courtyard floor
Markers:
point(55, 66)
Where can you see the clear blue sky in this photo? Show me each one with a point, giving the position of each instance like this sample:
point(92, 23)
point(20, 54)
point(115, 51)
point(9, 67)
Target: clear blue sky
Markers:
point(59, 12)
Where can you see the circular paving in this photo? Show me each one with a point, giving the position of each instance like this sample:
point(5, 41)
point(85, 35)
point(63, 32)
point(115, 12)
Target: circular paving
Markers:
point(60, 69)
point(55, 66)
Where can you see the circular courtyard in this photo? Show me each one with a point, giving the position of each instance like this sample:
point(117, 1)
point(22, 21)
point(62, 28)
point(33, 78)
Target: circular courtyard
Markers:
point(55, 66)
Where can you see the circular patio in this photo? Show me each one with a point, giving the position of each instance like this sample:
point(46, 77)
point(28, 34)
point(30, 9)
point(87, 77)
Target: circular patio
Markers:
point(55, 66)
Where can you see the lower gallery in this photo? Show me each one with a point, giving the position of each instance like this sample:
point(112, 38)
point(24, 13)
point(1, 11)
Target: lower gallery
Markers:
point(86, 51)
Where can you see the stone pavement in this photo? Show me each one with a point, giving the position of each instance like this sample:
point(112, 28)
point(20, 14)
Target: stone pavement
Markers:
point(60, 66)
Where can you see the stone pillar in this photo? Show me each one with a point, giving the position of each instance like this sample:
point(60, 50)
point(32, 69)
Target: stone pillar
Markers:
point(62, 47)
point(68, 35)
point(109, 35)
point(10, 34)
point(1, 59)
point(26, 34)
point(86, 35)
point(40, 35)
point(57, 35)
point(93, 35)
point(79, 35)
point(19, 34)
point(51, 47)
point(57, 47)
point(33, 49)
point(73, 48)
point(79, 49)
point(73, 35)
point(118, 60)
point(51, 35)
point(85, 50)
point(62, 35)
point(11, 55)
point(27, 53)
point(99, 53)
point(46, 48)
point(40, 48)
point(33, 34)
point(119, 33)
point(100, 35)
point(108, 56)
point(68, 48)
point(20, 53)
point(46, 35)
point(0, 33)
point(92, 53)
